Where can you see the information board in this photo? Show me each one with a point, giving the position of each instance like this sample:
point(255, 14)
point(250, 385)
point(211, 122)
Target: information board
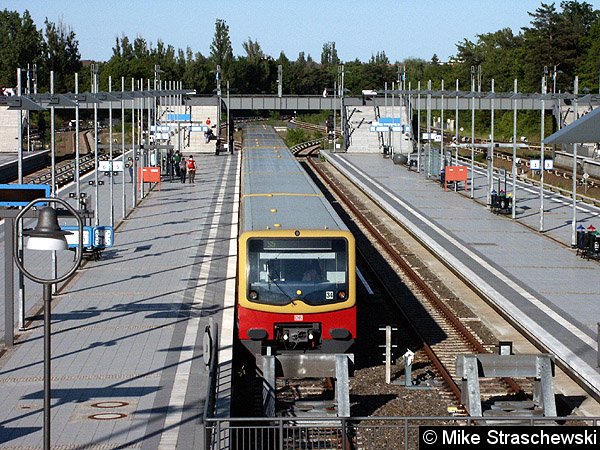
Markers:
point(104, 166)
point(103, 236)
point(72, 238)
point(22, 194)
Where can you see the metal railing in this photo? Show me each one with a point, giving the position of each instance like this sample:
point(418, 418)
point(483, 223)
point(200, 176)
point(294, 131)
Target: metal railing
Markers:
point(211, 359)
point(365, 433)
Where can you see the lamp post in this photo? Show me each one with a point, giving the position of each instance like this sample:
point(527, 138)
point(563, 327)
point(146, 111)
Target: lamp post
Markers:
point(473, 132)
point(96, 188)
point(47, 235)
point(542, 136)
point(419, 126)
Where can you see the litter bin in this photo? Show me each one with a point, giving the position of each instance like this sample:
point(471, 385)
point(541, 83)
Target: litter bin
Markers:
point(398, 158)
point(494, 200)
point(594, 249)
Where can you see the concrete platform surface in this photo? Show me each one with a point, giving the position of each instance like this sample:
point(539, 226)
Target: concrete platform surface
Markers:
point(127, 362)
point(535, 278)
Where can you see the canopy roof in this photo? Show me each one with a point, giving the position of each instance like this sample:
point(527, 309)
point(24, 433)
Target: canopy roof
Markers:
point(586, 129)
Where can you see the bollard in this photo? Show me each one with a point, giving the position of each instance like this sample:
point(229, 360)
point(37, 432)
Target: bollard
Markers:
point(388, 351)
point(408, 360)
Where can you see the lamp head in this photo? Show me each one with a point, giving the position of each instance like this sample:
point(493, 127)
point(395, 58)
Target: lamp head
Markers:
point(47, 234)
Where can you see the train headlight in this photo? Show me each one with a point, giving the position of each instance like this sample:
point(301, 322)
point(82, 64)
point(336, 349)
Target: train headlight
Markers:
point(286, 336)
point(342, 295)
point(311, 335)
point(253, 295)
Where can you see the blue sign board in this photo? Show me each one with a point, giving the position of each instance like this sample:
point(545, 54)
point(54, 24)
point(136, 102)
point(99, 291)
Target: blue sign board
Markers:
point(104, 236)
point(22, 194)
point(72, 238)
point(179, 117)
point(389, 120)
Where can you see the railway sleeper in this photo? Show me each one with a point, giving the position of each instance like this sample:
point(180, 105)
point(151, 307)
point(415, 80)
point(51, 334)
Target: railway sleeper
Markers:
point(472, 368)
point(303, 366)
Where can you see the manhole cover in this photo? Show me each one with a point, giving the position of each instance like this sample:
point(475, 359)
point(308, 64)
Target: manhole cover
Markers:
point(109, 404)
point(107, 416)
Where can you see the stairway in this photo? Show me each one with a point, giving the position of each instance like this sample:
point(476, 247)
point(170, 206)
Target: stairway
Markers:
point(362, 140)
point(9, 130)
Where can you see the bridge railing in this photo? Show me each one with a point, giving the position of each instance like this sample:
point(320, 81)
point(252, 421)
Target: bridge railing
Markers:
point(370, 433)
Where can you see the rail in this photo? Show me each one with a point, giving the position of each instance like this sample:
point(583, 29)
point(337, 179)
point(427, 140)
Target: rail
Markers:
point(533, 182)
point(366, 433)
point(425, 290)
point(305, 145)
point(211, 359)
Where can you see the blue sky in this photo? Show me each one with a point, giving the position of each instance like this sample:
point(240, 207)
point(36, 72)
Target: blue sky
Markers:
point(401, 28)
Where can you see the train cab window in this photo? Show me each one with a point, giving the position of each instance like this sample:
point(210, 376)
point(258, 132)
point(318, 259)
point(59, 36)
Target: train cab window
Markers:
point(281, 271)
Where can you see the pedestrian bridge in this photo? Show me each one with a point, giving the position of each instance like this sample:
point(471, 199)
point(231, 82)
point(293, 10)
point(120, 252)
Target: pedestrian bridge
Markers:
point(447, 100)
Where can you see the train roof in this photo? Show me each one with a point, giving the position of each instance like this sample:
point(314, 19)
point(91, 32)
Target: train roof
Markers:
point(277, 193)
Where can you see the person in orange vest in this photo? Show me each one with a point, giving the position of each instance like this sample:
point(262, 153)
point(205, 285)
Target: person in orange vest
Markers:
point(191, 168)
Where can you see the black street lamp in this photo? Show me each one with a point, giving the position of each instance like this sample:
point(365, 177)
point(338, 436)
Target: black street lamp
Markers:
point(47, 235)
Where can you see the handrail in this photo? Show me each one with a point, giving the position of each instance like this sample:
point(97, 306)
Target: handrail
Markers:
point(211, 348)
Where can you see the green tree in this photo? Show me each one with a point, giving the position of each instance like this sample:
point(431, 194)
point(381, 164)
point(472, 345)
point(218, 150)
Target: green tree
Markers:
point(253, 51)
point(21, 43)
point(221, 51)
point(590, 67)
point(379, 58)
point(329, 55)
point(62, 55)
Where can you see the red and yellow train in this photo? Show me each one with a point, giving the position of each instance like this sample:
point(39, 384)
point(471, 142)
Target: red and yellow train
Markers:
point(296, 258)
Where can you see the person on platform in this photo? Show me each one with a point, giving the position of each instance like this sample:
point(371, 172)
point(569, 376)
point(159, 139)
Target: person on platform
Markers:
point(182, 170)
point(176, 162)
point(191, 168)
point(130, 167)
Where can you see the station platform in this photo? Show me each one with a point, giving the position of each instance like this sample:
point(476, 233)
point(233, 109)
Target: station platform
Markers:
point(535, 278)
point(127, 330)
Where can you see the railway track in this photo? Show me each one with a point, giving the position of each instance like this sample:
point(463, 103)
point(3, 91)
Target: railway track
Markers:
point(524, 166)
point(64, 172)
point(436, 317)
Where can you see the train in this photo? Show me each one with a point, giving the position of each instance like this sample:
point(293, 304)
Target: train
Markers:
point(296, 287)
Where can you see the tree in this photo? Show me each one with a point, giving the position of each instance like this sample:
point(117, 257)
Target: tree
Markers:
point(221, 51)
point(253, 51)
point(590, 67)
point(20, 44)
point(329, 54)
point(62, 54)
point(379, 58)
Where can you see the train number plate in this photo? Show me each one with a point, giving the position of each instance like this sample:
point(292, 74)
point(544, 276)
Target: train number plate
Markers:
point(328, 295)
point(298, 317)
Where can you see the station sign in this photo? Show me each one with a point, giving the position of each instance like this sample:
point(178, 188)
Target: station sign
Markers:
point(72, 238)
point(548, 164)
point(390, 120)
point(179, 117)
point(535, 164)
point(159, 128)
point(103, 236)
point(22, 194)
point(431, 137)
point(198, 128)
point(379, 128)
point(105, 166)
point(162, 136)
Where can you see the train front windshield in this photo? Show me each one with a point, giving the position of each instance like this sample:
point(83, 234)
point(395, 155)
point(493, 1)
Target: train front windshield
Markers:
point(281, 271)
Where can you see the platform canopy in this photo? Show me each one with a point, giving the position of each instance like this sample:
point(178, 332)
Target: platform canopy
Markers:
point(586, 129)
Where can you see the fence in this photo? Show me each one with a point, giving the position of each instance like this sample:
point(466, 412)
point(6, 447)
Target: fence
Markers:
point(369, 433)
